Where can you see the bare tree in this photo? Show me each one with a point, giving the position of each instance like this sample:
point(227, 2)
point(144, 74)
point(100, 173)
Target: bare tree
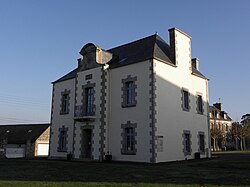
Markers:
point(245, 122)
point(216, 134)
point(239, 132)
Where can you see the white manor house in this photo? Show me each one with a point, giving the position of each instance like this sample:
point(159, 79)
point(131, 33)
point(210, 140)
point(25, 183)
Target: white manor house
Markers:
point(144, 101)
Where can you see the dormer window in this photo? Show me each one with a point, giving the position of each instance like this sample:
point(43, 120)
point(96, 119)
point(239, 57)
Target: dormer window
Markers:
point(218, 115)
point(225, 116)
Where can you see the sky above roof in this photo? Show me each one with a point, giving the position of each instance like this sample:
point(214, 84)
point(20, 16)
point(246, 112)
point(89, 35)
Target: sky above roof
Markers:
point(40, 42)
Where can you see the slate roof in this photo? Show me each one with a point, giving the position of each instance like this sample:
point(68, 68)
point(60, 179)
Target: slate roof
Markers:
point(196, 72)
point(68, 76)
point(140, 50)
point(147, 48)
point(212, 109)
point(19, 134)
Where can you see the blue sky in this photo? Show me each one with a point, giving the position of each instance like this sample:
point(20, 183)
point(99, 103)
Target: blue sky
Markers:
point(40, 42)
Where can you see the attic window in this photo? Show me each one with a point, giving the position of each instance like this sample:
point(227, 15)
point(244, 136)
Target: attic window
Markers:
point(225, 116)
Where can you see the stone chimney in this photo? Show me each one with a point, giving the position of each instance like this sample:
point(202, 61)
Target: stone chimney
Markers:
point(79, 60)
point(180, 47)
point(172, 45)
point(196, 63)
point(218, 106)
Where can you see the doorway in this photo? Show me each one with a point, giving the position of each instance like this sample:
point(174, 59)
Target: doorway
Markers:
point(86, 143)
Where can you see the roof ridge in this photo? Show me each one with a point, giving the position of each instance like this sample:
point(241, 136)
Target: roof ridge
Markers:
point(153, 51)
point(37, 124)
point(132, 42)
point(155, 43)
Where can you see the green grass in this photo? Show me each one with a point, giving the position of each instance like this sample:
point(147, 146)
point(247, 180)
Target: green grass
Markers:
point(91, 184)
point(225, 170)
point(228, 152)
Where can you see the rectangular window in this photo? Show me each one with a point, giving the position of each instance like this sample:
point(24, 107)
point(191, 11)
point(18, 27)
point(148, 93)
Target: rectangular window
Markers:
point(202, 143)
point(185, 100)
point(130, 92)
point(187, 142)
point(199, 104)
point(128, 140)
point(88, 77)
point(130, 144)
point(65, 104)
point(62, 140)
point(89, 101)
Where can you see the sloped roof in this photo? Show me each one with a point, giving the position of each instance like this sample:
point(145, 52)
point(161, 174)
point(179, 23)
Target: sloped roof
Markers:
point(199, 74)
point(146, 48)
point(212, 109)
point(19, 134)
point(140, 50)
point(68, 76)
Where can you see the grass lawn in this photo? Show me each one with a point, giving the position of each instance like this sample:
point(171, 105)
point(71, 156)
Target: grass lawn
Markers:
point(231, 169)
point(228, 152)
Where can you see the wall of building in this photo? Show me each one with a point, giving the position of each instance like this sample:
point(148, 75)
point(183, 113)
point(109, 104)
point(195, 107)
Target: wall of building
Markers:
point(59, 120)
point(43, 139)
point(224, 125)
point(92, 124)
point(139, 114)
point(157, 113)
point(172, 120)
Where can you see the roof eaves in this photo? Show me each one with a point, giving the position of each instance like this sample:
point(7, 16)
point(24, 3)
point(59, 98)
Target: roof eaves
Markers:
point(203, 77)
point(198, 74)
point(70, 75)
point(130, 43)
point(166, 62)
point(117, 66)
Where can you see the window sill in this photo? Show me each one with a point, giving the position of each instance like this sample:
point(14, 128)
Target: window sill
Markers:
point(128, 153)
point(185, 109)
point(62, 151)
point(128, 106)
point(187, 153)
point(85, 118)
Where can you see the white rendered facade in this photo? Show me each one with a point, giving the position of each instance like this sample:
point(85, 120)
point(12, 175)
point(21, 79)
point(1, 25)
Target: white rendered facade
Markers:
point(151, 125)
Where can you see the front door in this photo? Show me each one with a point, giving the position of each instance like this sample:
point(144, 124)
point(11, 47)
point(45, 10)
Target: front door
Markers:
point(86, 143)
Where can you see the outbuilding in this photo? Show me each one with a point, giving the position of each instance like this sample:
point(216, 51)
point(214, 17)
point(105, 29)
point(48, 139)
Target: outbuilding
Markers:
point(24, 140)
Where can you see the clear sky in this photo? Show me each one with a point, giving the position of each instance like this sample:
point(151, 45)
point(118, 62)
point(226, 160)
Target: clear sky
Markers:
point(40, 42)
